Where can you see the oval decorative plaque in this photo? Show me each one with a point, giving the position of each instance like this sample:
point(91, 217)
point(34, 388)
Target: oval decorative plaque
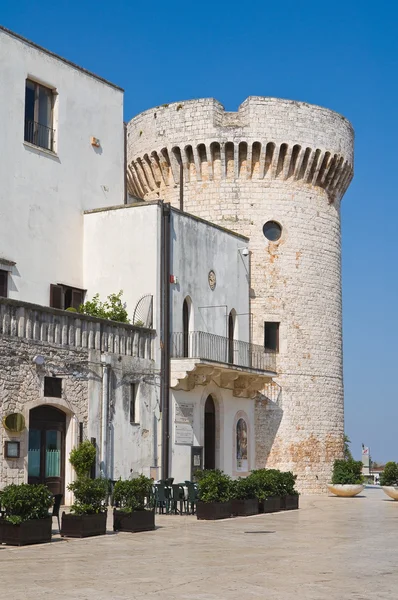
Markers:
point(14, 422)
point(212, 279)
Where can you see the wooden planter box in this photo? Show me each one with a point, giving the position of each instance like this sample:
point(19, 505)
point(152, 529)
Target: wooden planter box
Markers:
point(244, 508)
point(290, 502)
point(139, 520)
point(35, 531)
point(83, 525)
point(269, 505)
point(211, 511)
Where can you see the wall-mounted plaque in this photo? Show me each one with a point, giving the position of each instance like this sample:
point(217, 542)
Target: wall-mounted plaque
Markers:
point(11, 449)
point(183, 423)
point(212, 280)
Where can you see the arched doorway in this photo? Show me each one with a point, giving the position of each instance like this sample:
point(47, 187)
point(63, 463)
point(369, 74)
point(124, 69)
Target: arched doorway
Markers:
point(210, 434)
point(46, 452)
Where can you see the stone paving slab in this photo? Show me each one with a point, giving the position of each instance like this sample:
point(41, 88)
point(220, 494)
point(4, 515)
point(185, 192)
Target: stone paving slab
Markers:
point(332, 548)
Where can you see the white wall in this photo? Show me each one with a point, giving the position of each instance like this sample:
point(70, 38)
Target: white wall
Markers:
point(228, 410)
point(43, 195)
point(121, 249)
point(197, 248)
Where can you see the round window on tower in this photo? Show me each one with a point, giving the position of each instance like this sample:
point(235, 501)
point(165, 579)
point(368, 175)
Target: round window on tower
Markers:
point(272, 231)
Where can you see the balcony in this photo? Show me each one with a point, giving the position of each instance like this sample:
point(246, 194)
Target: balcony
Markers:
point(56, 327)
point(200, 357)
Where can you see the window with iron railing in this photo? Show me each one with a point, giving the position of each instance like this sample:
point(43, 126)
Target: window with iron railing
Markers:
point(39, 104)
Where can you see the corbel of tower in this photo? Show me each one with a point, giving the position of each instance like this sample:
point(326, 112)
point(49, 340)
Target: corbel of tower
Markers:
point(339, 173)
point(333, 166)
point(130, 184)
point(223, 160)
point(299, 163)
point(164, 165)
point(149, 172)
point(140, 176)
point(197, 162)
point(133, 175)
point(261, 165)
point(317, 168)
point(154, 170)
point(249, 156)
point(145, 179)
point(275, 159)
point(236, 160)
point(210, 166)
point(157, 167)
point(322, 175)
point(185, 164)
point(346, 177)
point(286, 162)
point(175, 167)
point(309, 166)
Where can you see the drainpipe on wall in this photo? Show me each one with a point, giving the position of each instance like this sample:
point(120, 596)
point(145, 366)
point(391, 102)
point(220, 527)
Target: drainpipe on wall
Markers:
point(106, 362)
point(165, 338)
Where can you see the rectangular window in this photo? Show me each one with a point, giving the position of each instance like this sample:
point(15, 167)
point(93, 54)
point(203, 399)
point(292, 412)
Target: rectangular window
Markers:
point(271, 336)
point(63, 297)
point(3, 284)
point(39, 102)
point(53, 387)
point(134, 417)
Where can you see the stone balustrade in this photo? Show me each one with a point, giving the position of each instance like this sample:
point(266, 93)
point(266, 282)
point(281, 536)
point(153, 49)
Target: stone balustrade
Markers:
point(73, 330)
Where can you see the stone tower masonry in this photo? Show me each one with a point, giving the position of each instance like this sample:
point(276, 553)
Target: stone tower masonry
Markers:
point(290, 163)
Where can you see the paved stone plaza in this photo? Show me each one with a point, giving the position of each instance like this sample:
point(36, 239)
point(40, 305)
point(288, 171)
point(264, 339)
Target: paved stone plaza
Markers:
point(332, 548)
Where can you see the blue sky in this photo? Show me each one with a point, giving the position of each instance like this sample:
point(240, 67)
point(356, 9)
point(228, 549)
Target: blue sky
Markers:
point(341, 55)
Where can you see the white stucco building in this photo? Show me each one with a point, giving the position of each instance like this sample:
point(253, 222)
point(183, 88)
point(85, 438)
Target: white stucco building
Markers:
point(170, 392)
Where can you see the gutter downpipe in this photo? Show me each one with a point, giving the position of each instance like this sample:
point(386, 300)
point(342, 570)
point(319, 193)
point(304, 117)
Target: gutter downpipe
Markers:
point(165, 338)
point(105, 361)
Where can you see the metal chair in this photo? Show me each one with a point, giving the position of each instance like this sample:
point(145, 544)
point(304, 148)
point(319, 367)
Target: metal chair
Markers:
point(178, 496)
point(56, 507)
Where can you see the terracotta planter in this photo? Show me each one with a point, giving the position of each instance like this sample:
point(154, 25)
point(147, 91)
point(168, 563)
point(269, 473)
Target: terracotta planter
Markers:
point(81, 526)
point(211, 511)
point(244, 508)
point(345, 491)
point(290, 502)
point(36, 531)
point(391, 491)
point(269, 505)
point(139, 520)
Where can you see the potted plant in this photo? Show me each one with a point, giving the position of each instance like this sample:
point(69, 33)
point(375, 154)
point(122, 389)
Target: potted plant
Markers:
point(389, 480)
point(267, 486)
point(289, 495)
point(244, 500)
point(131, 498)
point(88, 512)
point(214, 490)
point(347, 480)
point(26, 519)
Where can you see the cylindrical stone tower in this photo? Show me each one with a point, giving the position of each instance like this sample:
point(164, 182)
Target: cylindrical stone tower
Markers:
point(285, 164)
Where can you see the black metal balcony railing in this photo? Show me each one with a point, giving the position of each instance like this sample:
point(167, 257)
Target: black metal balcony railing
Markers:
point(39, 135)
point(200, 344)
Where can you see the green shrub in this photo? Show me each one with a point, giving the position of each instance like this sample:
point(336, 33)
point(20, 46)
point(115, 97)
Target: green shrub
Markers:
point(25, 502)
point(130, 495)
point(389, 477)
point(82, 458)
point(243, 488)
point(112, 309)
point(90, 495)
point(347, 472)
point(214, 486)
point(287, 483)
point(267, 483)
